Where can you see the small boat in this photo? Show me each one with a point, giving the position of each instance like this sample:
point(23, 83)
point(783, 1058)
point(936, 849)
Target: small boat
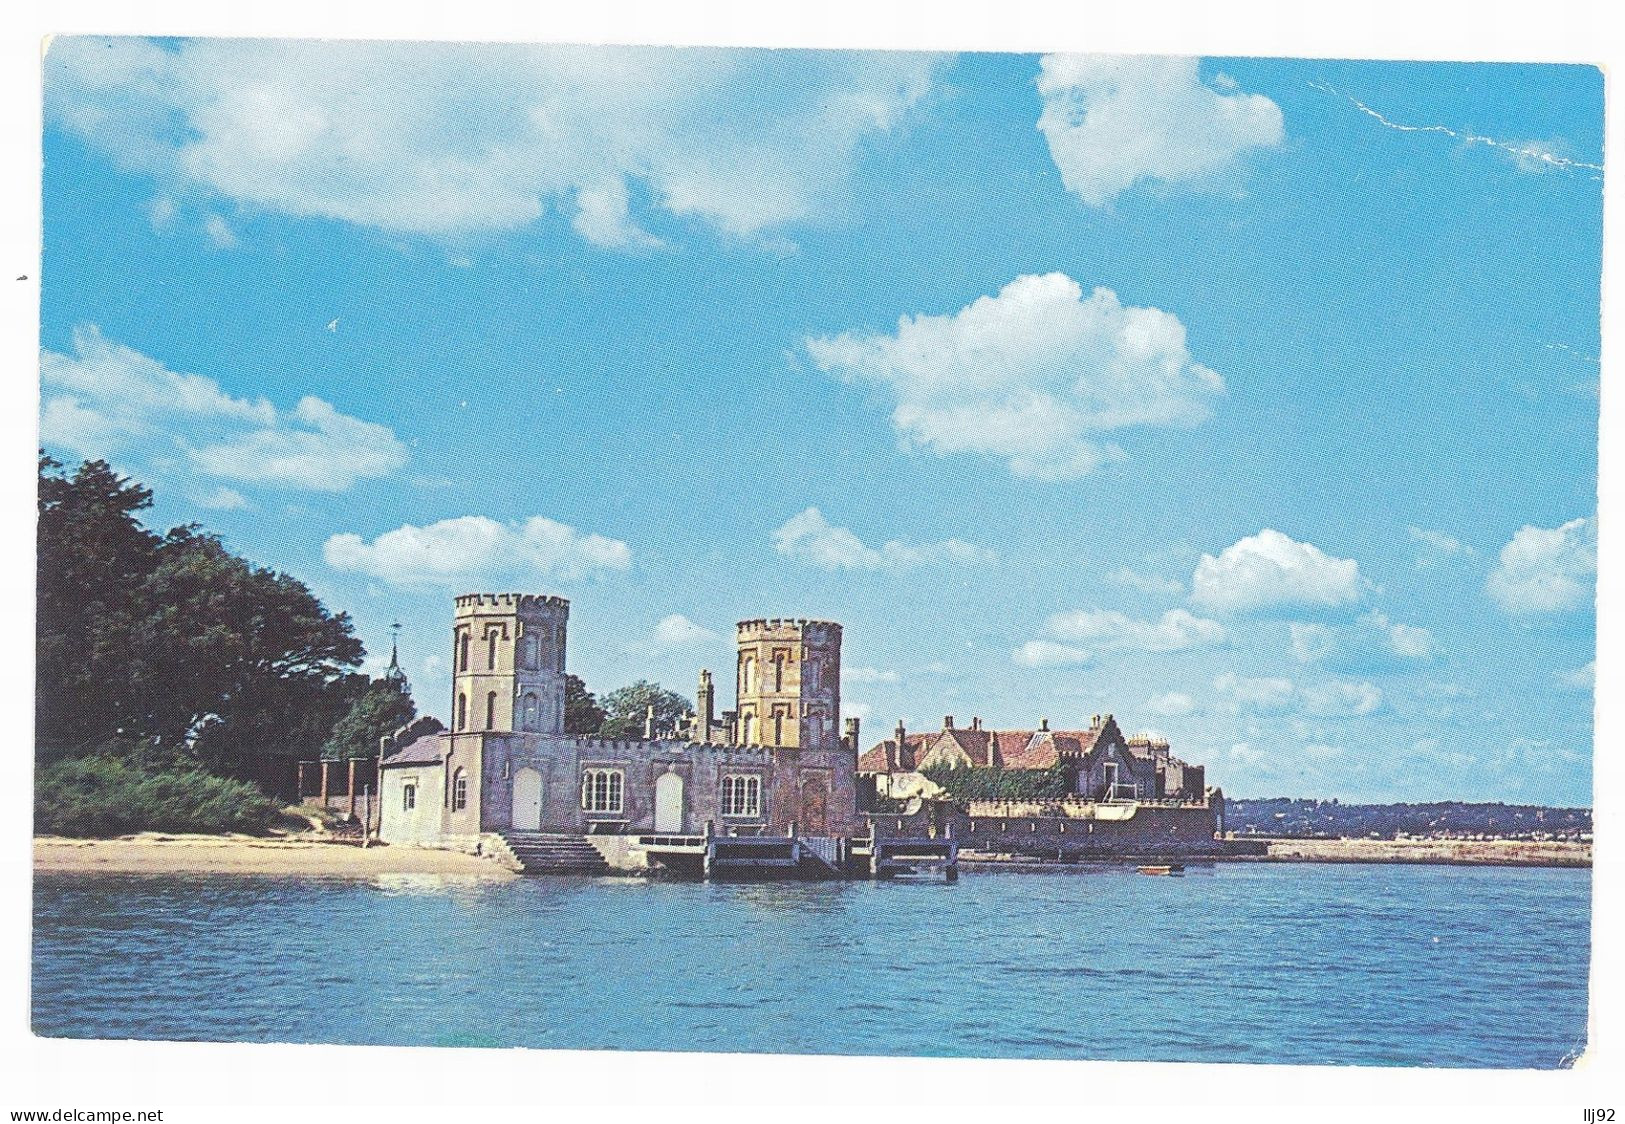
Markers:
point(1170, 868)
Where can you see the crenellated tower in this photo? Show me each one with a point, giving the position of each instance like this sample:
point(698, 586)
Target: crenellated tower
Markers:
point(508, 663)
point(789, 683)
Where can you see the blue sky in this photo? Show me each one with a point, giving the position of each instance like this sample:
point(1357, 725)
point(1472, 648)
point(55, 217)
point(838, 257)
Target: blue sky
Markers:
point(1253, 401)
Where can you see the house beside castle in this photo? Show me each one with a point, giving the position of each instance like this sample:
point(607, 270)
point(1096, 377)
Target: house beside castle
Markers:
point(774, 762)
point(1101, 764)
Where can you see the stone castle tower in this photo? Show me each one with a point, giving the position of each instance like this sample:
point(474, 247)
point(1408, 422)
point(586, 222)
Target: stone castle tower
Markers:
point(789, 683)
point(508, 663)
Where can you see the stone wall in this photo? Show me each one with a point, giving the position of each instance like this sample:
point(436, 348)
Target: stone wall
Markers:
point(1151, 829)
point(425, 821)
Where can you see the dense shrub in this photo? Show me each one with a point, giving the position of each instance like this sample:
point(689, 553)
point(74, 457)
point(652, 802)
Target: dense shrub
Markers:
point(972, 783)
point(99, 796)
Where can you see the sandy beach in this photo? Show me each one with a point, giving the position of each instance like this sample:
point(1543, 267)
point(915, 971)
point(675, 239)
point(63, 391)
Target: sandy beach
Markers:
point(154, 853)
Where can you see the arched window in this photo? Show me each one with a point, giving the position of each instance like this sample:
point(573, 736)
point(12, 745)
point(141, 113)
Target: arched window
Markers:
point(462, 651)
point(748, 678)
point(462, 712)
point(558, 649)
point(459, 790)
point(491, 650)
point(491, 711)
point(530, 646)
point(532, 712)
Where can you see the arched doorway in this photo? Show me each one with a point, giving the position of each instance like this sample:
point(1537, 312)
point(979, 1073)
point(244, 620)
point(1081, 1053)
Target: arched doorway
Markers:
point(527, 800)
point(669, 804)
point(814, 807)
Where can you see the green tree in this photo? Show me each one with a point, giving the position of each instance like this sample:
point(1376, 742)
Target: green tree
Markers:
point(173, 642)
point(626, 707)
point(383, 707)
point(93, 556)
point(582, 714)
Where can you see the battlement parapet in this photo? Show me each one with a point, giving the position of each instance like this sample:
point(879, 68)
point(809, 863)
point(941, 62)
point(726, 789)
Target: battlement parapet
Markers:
point(788, 628)
point(469, 604)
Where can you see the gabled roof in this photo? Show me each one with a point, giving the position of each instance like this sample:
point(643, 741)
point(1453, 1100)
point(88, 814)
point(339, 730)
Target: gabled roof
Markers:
point(882, 757)
point(426, 750)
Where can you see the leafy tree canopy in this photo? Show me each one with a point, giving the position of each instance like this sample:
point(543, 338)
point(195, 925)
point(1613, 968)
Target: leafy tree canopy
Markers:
point(626, 708)
point(175, 642)
point(582, 714)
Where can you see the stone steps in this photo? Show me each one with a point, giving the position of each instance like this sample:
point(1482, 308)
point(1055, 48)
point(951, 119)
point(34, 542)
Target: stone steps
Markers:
point(545, 853)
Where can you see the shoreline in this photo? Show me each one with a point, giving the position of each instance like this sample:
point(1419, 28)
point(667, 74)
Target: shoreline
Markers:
point(310, 856)
point(315, 856)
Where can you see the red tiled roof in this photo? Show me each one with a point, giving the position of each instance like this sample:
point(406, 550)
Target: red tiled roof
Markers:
point(881, 757)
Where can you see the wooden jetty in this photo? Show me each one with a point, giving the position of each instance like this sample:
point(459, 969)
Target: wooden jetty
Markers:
point(809, 857)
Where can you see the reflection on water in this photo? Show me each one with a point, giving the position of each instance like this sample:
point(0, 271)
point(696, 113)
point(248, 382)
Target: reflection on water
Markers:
point(1328, 964)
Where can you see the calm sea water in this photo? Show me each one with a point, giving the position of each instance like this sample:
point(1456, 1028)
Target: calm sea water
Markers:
point(1379, 965)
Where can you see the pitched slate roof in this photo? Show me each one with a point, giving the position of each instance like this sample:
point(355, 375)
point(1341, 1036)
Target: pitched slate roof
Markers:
point(426, 750)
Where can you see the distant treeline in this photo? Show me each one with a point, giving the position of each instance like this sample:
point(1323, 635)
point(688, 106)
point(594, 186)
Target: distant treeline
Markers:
point(1309, 818)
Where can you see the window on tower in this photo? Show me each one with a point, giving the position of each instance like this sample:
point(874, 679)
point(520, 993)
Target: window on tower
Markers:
point(459, 790)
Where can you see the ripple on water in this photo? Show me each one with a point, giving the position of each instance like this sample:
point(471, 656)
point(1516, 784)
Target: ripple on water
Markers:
point(1259, 962)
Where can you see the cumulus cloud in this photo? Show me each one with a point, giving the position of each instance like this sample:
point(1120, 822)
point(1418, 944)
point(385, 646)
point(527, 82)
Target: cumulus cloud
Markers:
point(447, 139)
point(106, 399)
point(676, 632)
point(1174, 631)
point(1311, 642)
point(1047, 653)
point(1266, 692)
point(1269, 570)
point(1581, 678)
point(1340, 699)
point(1334, 698)
point(1406, 641)
point(1437, 546)
point(475, 548)
point(1171, 704)
point(1032, 375)
point(1115, 121)
point(812, 538)
point(1546, 570)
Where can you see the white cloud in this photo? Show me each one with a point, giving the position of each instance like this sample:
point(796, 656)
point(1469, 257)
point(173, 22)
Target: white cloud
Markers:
point(1311, 642)
point(1266, 692)
point(1147, 583)
point(1047, 653)
point(219, 232)
point(1031, 375)
point(1407, 641)
point(868, 675)
point(1172, 704)
point(1114, 121)
point(1340, 699)
point(106, 398)
point(1581, 678)
point(446, 139)
point(222, 499)
point(1269, 569)
point(1439, 545)
point(812, 538)
point(676, 632)
point(1176, 630)
point(475, 548)
point(1546, 570)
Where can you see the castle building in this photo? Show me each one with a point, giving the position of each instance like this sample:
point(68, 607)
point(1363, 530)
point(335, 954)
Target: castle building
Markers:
point(775, 762)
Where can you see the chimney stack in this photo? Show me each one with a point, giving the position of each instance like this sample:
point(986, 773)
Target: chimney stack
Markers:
point(1043, 724)
point(705, 702)
point(947, 722)
point(649, 723)
point(975, 723)
point(852, 734)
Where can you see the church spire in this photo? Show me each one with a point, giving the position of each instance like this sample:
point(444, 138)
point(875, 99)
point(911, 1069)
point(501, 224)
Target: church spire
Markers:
point(394, 673)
